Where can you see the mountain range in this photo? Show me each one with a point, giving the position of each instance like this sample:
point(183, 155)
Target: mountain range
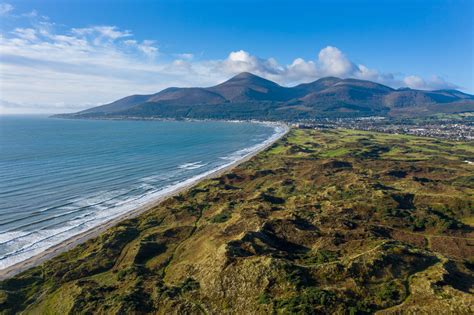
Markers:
point(247, 96)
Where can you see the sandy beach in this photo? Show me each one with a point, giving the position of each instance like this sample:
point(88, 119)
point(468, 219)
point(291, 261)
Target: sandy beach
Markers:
point(94, 232)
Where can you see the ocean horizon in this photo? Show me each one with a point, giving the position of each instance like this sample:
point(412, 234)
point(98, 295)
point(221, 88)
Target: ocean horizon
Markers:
point(60, 178)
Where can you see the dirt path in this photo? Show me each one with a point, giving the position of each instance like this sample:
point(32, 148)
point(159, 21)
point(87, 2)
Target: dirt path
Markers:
point(351, 258)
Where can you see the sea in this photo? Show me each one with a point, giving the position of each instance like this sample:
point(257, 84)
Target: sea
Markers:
point(62, 177)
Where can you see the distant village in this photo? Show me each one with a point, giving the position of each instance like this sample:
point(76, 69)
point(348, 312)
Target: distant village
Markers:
point(460, 128)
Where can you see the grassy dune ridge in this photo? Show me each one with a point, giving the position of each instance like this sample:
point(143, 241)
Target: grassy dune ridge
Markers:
point(323, 221)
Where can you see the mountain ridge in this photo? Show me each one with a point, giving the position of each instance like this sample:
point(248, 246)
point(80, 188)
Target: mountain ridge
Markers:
point(248, 96)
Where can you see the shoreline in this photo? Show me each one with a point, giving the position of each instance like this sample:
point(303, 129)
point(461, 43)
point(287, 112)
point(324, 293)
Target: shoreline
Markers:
point(80, 238)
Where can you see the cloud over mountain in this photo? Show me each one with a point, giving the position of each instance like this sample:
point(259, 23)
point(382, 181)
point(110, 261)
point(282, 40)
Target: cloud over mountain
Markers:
point(44, 63)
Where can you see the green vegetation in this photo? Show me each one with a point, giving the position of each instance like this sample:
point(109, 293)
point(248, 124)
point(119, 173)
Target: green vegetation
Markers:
point(334, 221)
point(221, 217)
point(247, 96)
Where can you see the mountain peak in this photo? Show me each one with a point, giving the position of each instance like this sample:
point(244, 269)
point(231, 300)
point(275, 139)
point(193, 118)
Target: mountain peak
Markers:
point(258, 97)
point(246, 86)
point(245, 75)
point(329, 79)
point(247, 79)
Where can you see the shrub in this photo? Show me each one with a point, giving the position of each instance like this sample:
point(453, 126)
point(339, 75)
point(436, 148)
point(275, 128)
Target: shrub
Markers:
point(272, 199)
point(189, 285)
point(388, 292)
point(307, 300)
point(321, 256)
point(264, 298)
point(221, 217)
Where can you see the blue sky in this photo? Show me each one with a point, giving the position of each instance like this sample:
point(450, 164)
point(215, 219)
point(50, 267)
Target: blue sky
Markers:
point(67, 55)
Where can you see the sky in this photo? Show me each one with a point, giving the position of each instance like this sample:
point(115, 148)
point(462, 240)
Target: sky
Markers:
point(64, 56)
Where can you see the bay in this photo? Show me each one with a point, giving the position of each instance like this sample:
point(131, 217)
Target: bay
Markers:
point(59, 177)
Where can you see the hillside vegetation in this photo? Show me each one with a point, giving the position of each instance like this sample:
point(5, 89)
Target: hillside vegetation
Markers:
point(247, 96)
point(333, 221)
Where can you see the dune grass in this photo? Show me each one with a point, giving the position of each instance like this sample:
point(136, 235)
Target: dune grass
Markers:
point(335, 221)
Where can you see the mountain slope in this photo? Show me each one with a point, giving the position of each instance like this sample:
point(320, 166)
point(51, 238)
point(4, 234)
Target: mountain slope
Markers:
point(187, 96)
point(247, 96)
point(246, 87)
point(347, 95)
point(317, 85)
point(117, 106)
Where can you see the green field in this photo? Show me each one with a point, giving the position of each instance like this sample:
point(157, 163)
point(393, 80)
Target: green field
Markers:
point(334, 221)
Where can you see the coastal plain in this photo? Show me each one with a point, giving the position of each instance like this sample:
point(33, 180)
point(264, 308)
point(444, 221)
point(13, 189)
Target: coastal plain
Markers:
point(323, 221)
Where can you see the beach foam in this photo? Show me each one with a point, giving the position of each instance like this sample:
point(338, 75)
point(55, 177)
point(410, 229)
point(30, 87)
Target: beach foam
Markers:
point(95, 209)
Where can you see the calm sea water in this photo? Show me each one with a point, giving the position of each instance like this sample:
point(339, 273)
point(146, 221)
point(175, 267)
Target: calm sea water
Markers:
point(60, 177)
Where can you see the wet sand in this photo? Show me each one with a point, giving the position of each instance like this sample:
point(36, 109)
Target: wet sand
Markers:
point(94, 232)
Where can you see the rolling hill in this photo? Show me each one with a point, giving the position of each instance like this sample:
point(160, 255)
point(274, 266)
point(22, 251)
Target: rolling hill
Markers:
point(323, 222)
point(247, 96)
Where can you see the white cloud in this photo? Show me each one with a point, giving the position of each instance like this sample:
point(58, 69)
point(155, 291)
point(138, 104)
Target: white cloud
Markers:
point(31, 14)
point(185, 56)
point(243, 61)
point(58, 71)
point(5, 8)
point(299, 71)
point(330, 61)
point(240, 61)
point(146, 47)
point(433, 83)
point(26, 33)
point(414, 81)
point(334, 63)
point(130, 42)
point(73, 70)
point(366, 73)
point(101, 32)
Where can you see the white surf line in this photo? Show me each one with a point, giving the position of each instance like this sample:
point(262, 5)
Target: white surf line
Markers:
point(280, 129)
